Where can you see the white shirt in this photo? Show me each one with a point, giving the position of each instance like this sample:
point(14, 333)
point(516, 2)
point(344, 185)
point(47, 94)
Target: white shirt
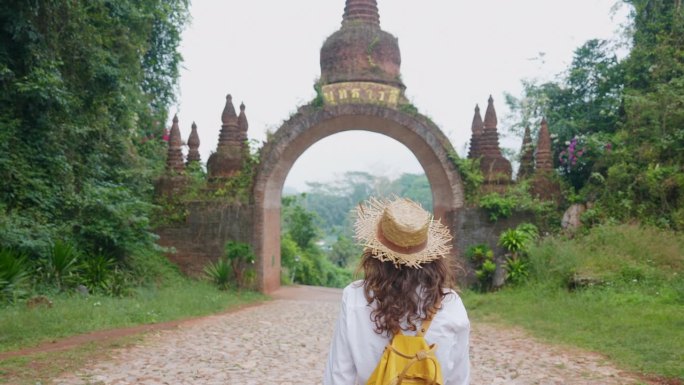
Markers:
point(356, 348)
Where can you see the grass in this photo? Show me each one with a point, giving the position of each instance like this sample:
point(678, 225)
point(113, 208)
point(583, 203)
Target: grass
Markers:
point(633, 313)
point(636, 332)
point(21, 326)
point(40, 368)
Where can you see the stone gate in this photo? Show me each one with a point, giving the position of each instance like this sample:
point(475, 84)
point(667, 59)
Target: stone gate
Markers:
point(360, 88)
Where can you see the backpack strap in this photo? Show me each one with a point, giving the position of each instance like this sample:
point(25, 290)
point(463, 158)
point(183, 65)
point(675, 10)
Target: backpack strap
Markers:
point(427, 355)
point(424, 327)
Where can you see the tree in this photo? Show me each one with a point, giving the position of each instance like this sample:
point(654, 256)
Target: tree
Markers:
point(84, 91)
point(299, 222)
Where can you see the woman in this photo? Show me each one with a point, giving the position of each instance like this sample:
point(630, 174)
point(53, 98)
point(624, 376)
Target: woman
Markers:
point(407, 282)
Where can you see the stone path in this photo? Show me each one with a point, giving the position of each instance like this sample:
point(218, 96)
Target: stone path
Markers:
point(285, 341)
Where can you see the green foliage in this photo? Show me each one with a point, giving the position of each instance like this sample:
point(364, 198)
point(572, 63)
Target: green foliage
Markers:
point(299, 222)
point(14, 275)
point(235, 266)
point(517, 198)
point(344, 252)
point(482, 258)
point(97, 273)
point(22, 327)
point(241, 259)
point(84, 89)
point(319, 100)
point(606, 253)
point(302, 260)
point(634, 294)
point(497, 206)
point(238, 188)
point(220, 273)
point(409, 108)
point(517, 242)
point(617, 126)
point(61, 265)
point(516, 270)
point(470, 172)
point(519, 239)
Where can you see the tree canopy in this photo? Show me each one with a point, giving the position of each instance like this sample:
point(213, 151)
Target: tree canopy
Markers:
point(619, 125)
point(84, 92)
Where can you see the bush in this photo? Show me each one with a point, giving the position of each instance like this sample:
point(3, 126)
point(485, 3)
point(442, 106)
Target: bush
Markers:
point(482, 258)
point(609, 254)
point(497, 206)
point(517, 242)
point(97, 273)
point(14, 275)
point(241, 259)
point(60, 268)
point(220, 273)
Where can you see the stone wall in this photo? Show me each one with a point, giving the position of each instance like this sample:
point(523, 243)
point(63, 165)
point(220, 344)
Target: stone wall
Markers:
point(207, 228)
point(200, 239)
point(472, 226)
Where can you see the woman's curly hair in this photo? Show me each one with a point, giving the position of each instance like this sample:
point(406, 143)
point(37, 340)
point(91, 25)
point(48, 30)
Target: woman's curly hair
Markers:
point(403, 293)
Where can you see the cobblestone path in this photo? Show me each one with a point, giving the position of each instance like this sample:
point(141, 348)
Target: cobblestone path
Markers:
point(285, 341)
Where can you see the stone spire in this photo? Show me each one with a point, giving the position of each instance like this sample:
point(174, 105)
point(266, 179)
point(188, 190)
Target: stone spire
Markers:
point(174, 157)
point(193, 145)
point(360, 51)
point(490, 120)
point(242, 124)
point(495, 168)
point(229, 128)
point(526, 156)
point(543, 158)
point(477, 129)
point(227, 160)
point(363, 11)
point(544, 185)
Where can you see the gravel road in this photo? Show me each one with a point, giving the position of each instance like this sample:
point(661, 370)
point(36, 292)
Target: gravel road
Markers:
point(285, 342)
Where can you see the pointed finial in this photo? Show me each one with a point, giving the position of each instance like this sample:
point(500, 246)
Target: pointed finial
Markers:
point(242, 121)
point(490, 120)
point(174, 135)
point(193, 145)
point(228, 111)
point(174, 157)
point(477, 126)
point(363, 11)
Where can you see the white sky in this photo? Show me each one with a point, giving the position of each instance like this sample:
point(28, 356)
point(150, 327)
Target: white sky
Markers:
point(454, 55)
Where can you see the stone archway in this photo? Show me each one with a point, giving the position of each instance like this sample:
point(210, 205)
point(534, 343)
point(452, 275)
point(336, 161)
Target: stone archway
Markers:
point(309, 125)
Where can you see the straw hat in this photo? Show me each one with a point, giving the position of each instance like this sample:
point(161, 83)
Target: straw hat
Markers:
point(401, 231)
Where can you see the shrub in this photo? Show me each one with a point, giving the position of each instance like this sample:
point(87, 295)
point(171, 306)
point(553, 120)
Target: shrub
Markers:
point(497, 206)
point(61, 265)
point(220, 273)
point(516, 270)
point(517, 242)
point(482, 258)
point(14, 275)
point(97, 271)
point(241, 259)
point(609, 254)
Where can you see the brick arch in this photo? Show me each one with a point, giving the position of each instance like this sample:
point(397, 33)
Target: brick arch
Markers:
point(309, 125)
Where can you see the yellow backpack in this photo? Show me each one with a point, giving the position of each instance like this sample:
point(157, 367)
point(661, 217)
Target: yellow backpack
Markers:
point(408, 360)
